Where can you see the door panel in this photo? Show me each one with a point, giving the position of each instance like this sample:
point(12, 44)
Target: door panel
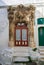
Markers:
point(24, 34)
point(41, 36)
point(18, 34)
point(21, 36)
point(18, 37)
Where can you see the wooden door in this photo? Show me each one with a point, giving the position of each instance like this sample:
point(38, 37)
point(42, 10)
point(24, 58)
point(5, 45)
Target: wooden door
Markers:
point(41, 36)
point(21, 36)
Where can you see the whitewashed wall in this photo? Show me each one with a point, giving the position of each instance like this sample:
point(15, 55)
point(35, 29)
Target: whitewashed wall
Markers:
point(38, 14)
point(16, 2)
point(3, 28)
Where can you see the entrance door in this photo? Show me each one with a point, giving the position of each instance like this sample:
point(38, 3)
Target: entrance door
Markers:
point(41, 36)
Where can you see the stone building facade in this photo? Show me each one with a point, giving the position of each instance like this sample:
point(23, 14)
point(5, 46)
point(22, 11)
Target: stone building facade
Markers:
point(21, 14)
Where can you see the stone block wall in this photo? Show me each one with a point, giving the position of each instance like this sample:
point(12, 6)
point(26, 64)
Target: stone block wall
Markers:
point(18, 14)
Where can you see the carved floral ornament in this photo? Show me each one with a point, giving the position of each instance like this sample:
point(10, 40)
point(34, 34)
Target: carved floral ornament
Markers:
point(21, 13)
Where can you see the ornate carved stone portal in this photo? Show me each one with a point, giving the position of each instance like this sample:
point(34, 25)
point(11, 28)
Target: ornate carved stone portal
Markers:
point(21, 13)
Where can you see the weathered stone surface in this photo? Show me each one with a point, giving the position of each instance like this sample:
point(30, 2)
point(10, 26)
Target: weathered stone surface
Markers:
point(19, 14)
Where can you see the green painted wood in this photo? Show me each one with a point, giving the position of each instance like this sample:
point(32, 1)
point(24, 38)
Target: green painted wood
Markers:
point(41, 36)
point(40, 21)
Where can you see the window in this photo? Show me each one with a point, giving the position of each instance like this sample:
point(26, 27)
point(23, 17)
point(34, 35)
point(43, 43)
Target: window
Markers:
point(24, 34)
point(21, 35)
point(17, 34)
point(40, 21)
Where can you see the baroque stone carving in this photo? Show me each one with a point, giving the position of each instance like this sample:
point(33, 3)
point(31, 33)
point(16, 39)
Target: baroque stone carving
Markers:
point(21, 13)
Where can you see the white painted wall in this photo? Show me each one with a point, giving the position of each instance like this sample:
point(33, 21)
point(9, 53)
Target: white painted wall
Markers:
point(16, 2)
point(38, 14)
point(3, 28)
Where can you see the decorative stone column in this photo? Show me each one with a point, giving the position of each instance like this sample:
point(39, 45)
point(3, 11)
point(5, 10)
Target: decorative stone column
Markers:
point(18, 14)
point(11, 26)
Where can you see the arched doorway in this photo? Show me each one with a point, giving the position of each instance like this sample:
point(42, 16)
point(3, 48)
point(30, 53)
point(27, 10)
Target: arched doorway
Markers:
point(41, 36)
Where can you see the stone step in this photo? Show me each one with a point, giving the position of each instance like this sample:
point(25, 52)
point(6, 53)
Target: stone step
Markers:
point(21, 51)
point(41, 47)
point(19, 63)
point(41, 50)
point(42, 55)
point(20, 59)
point(21, 54)
point(42, 59)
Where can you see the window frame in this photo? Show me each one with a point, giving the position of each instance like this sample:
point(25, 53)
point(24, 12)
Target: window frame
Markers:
point(21, 28)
